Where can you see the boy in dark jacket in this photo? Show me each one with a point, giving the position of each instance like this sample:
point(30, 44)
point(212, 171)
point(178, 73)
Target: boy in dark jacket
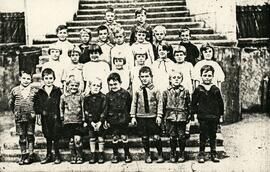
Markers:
point(207, 103)
point(94, 106)
point(47, 106)
point(118, 102)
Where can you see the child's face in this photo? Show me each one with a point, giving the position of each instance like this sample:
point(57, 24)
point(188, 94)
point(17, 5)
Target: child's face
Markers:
point(145, 78)
point(73, 87)
point(85, 38)
point(179, 57)
point(48, 80)
point(103, 35)
point(119, 38)
point(185, 36)
point(140, 37)
point(162, 53)
point(141, 18)
point(94, 56)
point(176, 79)
point(159, 35)
point(75, 57)
point(25, 79)
point(109, 17)
point(208, 53)
point(55, 54)
point(141, 58)
point(114, 85)
point(207, 77)
point(95, 87)
point(62, 34)
point(119, 63)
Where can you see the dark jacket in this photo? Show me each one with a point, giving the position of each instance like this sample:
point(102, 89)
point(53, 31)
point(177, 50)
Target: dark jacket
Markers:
point(94, 106)
point(192, 52)
point(118, 107)
point(207, 104)
point(84, 57)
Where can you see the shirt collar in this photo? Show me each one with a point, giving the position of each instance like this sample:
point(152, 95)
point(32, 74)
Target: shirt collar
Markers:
point(181, 88)
point(150, 86)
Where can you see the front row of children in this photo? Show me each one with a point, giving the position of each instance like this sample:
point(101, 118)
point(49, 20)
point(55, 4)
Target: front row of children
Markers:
point(71, 113)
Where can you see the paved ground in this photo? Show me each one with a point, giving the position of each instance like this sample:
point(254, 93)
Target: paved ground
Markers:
point(247, 144)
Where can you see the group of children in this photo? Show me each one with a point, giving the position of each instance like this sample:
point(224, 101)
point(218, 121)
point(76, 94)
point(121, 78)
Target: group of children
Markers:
point(100, 88)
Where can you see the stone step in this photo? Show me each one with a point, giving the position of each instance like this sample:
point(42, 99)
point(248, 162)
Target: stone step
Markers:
point(150, 15)
point(134, 142)
point(136, 153)
point(132, 10)
point(132, 5)
point(111, 2)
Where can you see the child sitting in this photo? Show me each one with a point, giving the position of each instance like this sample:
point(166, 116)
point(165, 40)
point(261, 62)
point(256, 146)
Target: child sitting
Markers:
point(104, 43)
point(21, 101)
point(186, 68)
point(47, 106)
point(55, 64)
point(71, 114)
point(118, 102)
point(144, 113)
point(85, 37)
point(140, 16)
point(74, 69)
point(96, 68)
point(94, 105)
point(142, 44)
point(174, 106)
point(208, 58)
point(207, 103)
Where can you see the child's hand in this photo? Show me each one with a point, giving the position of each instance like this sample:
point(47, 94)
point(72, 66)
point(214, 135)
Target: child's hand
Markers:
point(84, 124)
point(158, 121)
point(93, 125)
point(195, 119)
point(133, 121)
point(98, 124)
point(38, 119)
point(106, 125)
point(221, 119)
point(33, 115)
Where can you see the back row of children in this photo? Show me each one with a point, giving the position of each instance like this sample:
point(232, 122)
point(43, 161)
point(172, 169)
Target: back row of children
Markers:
point(146, 69)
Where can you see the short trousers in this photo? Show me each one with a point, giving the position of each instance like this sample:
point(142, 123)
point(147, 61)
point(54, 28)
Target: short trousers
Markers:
point(25, 128)
point(176, 129)
point(148, 127)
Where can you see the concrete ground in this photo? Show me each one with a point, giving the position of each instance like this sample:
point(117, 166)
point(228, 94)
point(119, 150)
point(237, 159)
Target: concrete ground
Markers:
point(247, 144)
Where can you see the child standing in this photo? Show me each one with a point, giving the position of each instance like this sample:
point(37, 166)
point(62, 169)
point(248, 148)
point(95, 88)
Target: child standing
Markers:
point(144, 113)
point(192, 50)
point(71, 113)
point(118, 102)
point(142, 44)
point(104, 43)
point(74, 69)
point(47, 106)
point(85, 36)
point(186, 68)
point(96, 68)
point(175, 107)
point(21, 102)
point(94, 105)
point(159, 35)
point(162, 67)
point(208, 58)
point(55, 64)
point(207, 103)
point(140, 16)
point(63, 43)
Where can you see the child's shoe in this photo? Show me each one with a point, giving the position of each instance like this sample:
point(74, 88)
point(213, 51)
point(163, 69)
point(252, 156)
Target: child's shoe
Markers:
point(172, 157)
point(101, 158)
point(29, 159)
point(57, 159)
point(73, 159)
point(127, 158)
point(214, 156)
point(148, 158)
point(201, 157)
point(160, 158)
point(181, 157)
point(115, 158)
point(22, 159)
point(92, 159)
point(47, 159)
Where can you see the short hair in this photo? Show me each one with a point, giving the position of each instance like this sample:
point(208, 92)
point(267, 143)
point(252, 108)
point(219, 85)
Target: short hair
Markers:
point(146, 69)
point(179, 49)
point(207, 68)
point(140, 30)
point(174, 72)
point(140, 11)
point(119, 30)
point(71, 79)
point(115, 77)
point(102, 27)
point(110, 9)
point(160, 28)
point(54, 47)
point(85, 30)
point(96, 79)
point(164, 46)
point(61, 27)
point(119, 57)
point(47, 71)
point(94, 48)
point(183, 29)
point(74, 49)
point(206, 46)
point(28, 72)
point(140, 53)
